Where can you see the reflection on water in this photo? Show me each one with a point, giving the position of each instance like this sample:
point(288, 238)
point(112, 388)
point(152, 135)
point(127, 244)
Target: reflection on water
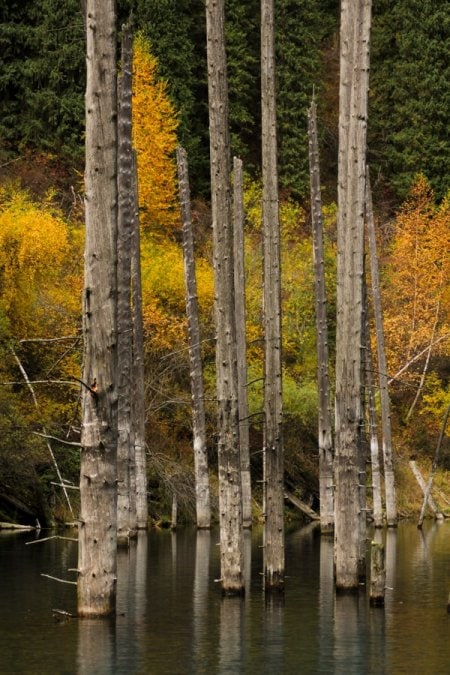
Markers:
point(172, 618)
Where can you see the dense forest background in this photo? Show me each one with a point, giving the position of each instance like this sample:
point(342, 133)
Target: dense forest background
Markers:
point(42, 82)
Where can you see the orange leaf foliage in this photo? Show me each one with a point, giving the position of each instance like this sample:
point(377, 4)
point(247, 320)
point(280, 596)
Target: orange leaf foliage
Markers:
point(416, 295)
point(154, 129)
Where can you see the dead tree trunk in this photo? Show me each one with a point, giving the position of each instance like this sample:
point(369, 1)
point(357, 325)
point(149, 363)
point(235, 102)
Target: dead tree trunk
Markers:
point(230, 491)
point(389, 478)
point(273, 394)
point(138, 405)
point(126, 482)
point(354, 57)
point(241, 342)
point(97, 548)
point(373, 438)
point(326, 459)
point(203, 505)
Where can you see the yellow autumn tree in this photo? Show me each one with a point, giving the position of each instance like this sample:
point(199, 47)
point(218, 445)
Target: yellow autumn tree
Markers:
point(416, 288)
point(154, 129)
point(416, 298)
point(39, 275)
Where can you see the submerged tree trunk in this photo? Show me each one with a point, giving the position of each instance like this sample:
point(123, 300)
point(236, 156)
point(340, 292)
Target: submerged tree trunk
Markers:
point(202, 497)
point(354, 57)
point(126, 483)
point(389, 478)
point(241, 342)
point(230, 491)
point(273, 394)
point(97, 547)
point(326, 459)
point(138, 392)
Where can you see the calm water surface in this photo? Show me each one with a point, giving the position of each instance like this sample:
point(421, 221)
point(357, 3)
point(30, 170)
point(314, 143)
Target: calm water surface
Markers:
point(173, 620)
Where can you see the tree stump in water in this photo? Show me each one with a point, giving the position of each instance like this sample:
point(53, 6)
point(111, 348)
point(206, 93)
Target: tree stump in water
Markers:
point(377, 575)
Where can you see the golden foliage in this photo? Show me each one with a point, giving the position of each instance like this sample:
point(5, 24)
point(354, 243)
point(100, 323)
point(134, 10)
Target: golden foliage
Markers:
point(39, 274)
point(154, 129)
point(416, 288)
point(164, 293)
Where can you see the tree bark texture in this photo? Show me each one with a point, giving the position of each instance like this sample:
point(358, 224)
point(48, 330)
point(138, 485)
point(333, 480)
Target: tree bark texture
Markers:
point(97, 548)
point(138, 392)
point(326, 454)
point(354, 72)
point(241, 342)
point(388, 460)
point(202, 495)
point(126, 476)
point(230, 492)
point(273, 395)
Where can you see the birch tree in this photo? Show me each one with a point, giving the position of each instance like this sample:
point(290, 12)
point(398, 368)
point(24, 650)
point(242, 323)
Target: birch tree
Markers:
point(97, 554)
point(126, 477)
point(326, 459)
point(241, 342)
point(230, 492)
point(202, 496)
point(273, 407)
point(353, 89)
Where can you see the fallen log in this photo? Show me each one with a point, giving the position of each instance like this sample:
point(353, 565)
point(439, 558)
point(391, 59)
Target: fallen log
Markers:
point(423, 486)
point(16, 526)
point(304, 508)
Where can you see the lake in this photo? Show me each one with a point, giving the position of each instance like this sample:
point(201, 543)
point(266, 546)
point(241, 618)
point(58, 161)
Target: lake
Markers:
point(173, 620)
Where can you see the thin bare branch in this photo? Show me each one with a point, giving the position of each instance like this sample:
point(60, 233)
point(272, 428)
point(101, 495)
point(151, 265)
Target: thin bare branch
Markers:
point(55, 438)
point(55, 536)
point(36, 405)
point(62, 581)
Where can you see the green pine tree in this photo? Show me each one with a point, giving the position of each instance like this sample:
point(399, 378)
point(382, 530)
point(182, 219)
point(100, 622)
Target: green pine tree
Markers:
point(410, 93)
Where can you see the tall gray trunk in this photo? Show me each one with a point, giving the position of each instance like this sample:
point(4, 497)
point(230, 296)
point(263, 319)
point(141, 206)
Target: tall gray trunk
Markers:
point(202, 496)
point(230, 492)
point(355, 34)
point(138, 392)
point(326, 459)
point(241, 342)
point(373, 438)
point(389, 478)
point(97, 548)
point(126, 483)
point(273, 395)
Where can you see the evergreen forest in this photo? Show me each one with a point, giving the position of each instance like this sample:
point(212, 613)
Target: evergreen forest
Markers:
point(42, 85)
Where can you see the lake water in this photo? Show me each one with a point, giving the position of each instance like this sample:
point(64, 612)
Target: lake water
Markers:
point(172, 619)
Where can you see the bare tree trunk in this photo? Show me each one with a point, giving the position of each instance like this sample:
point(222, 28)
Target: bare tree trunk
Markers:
point(326, 459)
point(273, 394)
point(355, 34)
point(126, 497)
point(389, 478)
point(138, 405)
point(97, 548)
point(230, 491)
point(374, 446)
point(241, 342)
point(202, 500)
